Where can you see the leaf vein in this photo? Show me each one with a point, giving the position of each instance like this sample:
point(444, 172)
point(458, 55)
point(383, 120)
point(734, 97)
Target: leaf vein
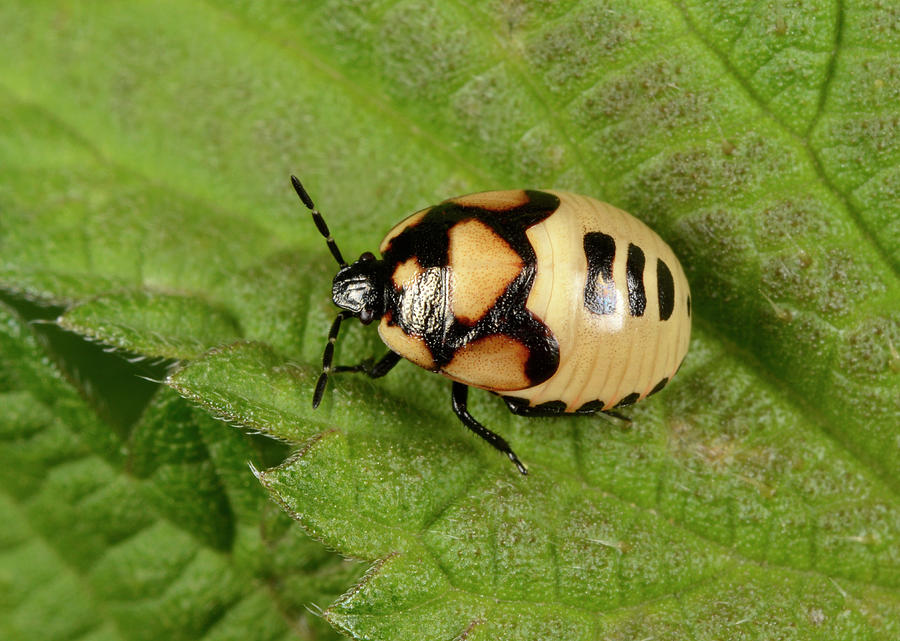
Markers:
point(855, 214)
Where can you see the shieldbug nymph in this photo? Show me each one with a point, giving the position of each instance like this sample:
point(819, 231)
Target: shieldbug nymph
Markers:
point(558, 303)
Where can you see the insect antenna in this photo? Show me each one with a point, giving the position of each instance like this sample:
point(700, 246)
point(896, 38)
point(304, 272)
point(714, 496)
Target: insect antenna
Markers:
point(320, 222)
point(327, 357)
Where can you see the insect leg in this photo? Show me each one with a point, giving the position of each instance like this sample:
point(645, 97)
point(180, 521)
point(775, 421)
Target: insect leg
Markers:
point(327, 357)
point(384, 365)
point(460, 406)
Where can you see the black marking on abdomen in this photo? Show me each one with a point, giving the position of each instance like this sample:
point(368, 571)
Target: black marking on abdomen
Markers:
point(666, 289)
point(591, 407)
point(689, 304)
point(658, 386)
point(554, 407)
point(521, 407)
point(634, 276)
point(631, 399)
point(600, 290)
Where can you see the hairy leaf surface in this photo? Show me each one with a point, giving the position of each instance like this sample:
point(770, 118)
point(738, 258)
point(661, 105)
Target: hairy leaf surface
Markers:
point(145, 149)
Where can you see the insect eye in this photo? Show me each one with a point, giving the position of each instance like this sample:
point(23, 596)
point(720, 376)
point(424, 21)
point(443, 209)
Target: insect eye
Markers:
point(366, 316)
point(367, 256)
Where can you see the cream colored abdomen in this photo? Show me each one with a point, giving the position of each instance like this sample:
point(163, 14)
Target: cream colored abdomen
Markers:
point(603, 357)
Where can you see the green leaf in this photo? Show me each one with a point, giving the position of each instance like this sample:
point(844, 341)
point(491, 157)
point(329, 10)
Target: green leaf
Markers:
point(164, 541)
point(166, 326)
point(144, 156)
point(37, 581)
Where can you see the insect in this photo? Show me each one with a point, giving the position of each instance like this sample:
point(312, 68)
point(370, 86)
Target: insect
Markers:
point(559, 303)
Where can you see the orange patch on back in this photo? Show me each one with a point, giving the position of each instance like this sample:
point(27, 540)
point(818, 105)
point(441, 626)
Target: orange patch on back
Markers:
point(495, 362)
point(483, 266)
point(406, 273)
point(494, 200)
point(410, 347)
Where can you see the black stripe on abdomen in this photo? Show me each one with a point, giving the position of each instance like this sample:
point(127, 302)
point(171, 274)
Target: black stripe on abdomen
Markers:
point(634, 278)
point(666, 288)
point(599, 289)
